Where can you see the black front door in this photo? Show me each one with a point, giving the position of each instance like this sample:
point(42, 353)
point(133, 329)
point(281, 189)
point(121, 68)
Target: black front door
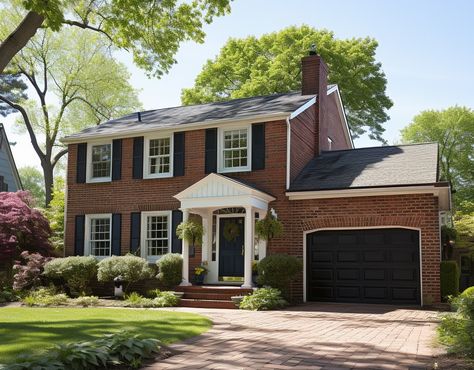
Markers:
point(231, 246)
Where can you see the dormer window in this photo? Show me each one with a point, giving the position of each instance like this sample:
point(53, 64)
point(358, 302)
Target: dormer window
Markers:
point(234, 154)
point(158, 157)
point(100, 162)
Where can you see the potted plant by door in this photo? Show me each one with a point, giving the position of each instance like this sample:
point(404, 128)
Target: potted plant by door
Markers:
point(192, 232)
point(200, 273)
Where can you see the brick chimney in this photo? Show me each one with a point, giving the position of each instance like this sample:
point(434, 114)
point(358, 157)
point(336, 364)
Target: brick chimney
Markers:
point(314, 82)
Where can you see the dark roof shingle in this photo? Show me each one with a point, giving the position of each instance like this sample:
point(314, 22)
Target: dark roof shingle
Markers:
point(370, 167)
point(201, 113)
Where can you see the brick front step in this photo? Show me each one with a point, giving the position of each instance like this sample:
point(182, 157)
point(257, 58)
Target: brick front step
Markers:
point(210, 296)
point(206, 303)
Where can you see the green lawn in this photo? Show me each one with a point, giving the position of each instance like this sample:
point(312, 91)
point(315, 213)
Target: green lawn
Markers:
point(32, 330)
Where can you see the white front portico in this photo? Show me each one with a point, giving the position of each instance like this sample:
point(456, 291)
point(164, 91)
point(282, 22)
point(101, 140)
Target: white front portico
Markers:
point(225, 203)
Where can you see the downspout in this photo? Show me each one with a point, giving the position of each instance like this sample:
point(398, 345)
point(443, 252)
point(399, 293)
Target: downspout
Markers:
point(288, 149)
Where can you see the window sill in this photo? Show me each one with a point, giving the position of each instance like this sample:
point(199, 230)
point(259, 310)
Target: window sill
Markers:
point(99, 180)
point(233, 170)
point(160, 176)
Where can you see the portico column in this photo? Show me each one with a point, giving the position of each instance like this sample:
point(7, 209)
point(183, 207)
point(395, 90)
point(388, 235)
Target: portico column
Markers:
point(248, 246)
point(206, 235)
point(185, 254)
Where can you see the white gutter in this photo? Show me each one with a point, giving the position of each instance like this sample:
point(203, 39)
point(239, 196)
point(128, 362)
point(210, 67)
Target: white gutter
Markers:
point(443, 193)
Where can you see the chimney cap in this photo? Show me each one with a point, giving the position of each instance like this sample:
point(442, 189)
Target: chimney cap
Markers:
point(312, 49)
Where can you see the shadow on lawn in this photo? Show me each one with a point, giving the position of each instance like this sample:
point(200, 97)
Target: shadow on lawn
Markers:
point(35, 336)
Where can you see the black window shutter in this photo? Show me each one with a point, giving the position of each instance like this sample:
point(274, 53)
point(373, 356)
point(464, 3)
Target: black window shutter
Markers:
point(138, 157)
point(211, 150)
point(178, 155)
point(79, 235)
point(258, 146)
point(176, 244)
point(116, 232)
point(135, 225)
point(116, 159)
point(81, 164)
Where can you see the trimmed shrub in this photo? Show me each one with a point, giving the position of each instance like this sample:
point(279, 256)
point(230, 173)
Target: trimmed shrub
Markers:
point(166, 299)
point(86, 301)
point(278, 270)
point(449, 278)
point(29, 275)
point(7, 295)
point(163, 299)
point(456, 329)
point(131, 268)
point(263, 299)
point(170, 269)
point(77, 272)
point(468, 292)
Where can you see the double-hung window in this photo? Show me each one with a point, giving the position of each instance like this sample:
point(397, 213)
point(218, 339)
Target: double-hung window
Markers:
point(99, 162)
point(159, 157)
point(234, 150)
point(156, 232)
point(98, 235)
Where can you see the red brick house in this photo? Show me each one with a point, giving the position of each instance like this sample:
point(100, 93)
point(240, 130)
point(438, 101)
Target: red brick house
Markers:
point(364, 221)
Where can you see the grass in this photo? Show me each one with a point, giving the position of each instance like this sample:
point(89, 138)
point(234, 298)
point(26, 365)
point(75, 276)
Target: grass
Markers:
point(32, 330)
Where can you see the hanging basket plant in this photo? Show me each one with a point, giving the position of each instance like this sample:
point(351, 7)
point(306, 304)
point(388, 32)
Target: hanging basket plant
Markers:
point(190, 231)
point(268, 228)
point(231, 231)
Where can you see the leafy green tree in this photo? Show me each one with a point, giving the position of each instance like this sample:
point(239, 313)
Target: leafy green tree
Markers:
point(13, 88)
point(32, 180)
point(152, 30)
point(55, 213)
point(272, 64)
point(453, 130)
point(76, 82)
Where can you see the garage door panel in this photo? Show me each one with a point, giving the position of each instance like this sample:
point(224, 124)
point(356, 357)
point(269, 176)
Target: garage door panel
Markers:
point(375, 274)
point(374, 256)
point(375, 292)
point(371, 265)
point(347, 256)
point(404, 275)
point(345, 292)
point(321, 257)
point(348, 274)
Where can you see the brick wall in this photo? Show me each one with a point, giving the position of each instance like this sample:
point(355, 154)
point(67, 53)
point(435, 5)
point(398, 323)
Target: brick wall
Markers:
point(413, 211)
point(303, 133)
point(334, 125)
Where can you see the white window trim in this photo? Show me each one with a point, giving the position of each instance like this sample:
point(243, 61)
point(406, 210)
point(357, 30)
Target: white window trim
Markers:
point(89, 177)
point(146, 156)
point(143, 248)
point(220, 149)
point(87, 232)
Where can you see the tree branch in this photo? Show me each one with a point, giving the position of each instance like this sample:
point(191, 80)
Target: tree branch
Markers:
point(29, 127)
point(58, 156)
point(19, 38)
point(87, 26)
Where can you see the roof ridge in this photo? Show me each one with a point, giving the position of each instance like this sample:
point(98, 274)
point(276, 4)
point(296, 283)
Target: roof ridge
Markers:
point(381, 146)
point(227, 101)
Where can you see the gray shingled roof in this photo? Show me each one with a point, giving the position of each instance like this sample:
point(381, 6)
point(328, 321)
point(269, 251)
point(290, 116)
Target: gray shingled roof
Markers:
point(202, 113)
point(370, 167)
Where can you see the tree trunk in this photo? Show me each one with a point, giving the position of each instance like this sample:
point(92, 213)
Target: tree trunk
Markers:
point(18, 38)
point(48, 182)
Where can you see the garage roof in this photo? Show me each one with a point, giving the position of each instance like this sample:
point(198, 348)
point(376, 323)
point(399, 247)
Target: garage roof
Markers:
point(370, 167)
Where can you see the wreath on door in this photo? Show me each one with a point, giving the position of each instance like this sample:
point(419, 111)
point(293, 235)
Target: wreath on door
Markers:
point(231, 231)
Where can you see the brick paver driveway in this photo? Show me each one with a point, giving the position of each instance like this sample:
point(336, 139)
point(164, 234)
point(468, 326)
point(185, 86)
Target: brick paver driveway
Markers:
point(311, 336)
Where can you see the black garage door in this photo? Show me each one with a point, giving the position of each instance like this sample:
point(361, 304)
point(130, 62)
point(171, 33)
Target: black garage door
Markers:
point(370, 266)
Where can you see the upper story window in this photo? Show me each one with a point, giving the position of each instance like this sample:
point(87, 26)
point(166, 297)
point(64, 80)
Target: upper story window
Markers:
point(99, 167)
point(158, 157)
point(98, 235)
point(155, 235)
point(234, 153)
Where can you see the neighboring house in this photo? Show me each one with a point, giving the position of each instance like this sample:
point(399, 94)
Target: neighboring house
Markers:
point(9, 178)
point(364, 221)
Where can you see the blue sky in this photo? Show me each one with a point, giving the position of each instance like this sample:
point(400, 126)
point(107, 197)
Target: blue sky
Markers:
point(426, 49)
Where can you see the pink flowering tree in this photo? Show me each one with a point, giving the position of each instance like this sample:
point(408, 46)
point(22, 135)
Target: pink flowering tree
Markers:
point(22, 228)
point(28, 271)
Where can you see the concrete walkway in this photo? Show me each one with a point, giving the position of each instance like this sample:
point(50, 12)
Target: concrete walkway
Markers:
point(311, 336)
